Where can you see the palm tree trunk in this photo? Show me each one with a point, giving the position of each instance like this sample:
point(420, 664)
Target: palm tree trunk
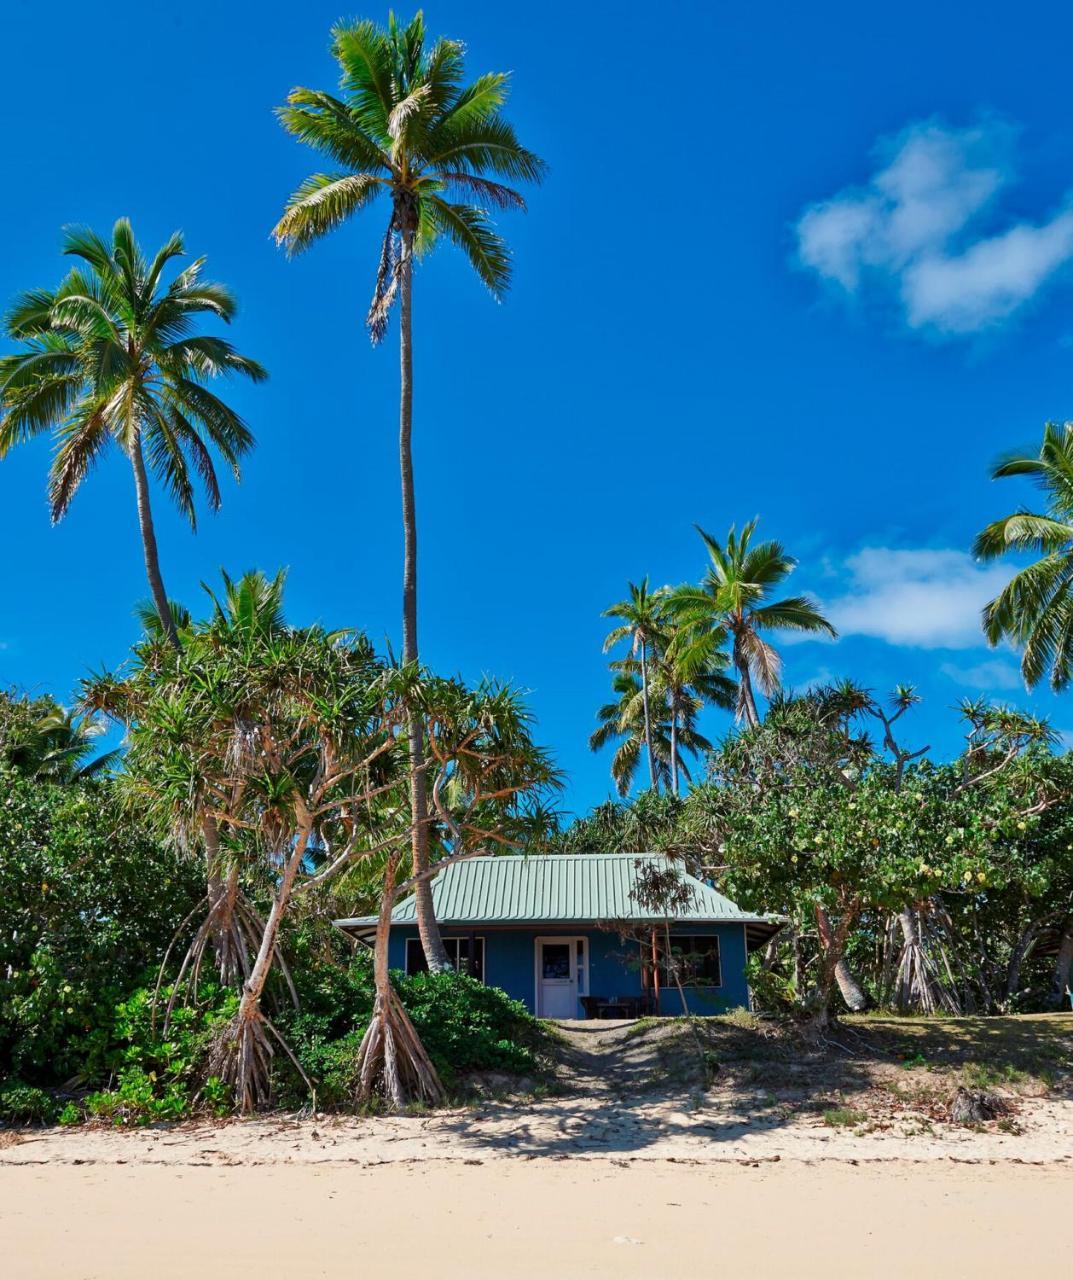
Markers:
point(748, 701)
point(674, 746)
point(431, 942)
point(648, 717)
point(149, 547)
point(221, 905)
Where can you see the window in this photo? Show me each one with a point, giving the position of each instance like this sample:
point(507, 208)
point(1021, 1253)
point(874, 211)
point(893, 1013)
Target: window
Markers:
point(457, 952)
point(696, 957)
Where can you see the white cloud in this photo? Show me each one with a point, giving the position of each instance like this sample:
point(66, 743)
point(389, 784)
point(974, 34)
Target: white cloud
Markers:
point(984, 676)
point(925, 599)
point(914, 228)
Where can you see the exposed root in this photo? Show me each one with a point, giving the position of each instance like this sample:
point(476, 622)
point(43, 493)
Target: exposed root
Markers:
point(242, 1057)
point(233, 929)
point(392, 1061)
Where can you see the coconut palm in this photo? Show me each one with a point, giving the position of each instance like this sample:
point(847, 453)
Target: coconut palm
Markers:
point(622, 721)
point(56, 744)
point(735, 594)
point(112, 356)
point(1035, 609)
point(410, 132)
point(691, 664)
point(641, 623)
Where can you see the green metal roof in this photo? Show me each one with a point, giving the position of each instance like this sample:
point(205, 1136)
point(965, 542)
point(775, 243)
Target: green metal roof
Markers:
point(555, 888)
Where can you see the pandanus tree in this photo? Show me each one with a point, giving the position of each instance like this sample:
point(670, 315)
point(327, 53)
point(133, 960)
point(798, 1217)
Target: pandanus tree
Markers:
point(489, 788)
point(287, 738)
point(1035, 609)
point(409, 132)
point(111, 357)
point(735, 595)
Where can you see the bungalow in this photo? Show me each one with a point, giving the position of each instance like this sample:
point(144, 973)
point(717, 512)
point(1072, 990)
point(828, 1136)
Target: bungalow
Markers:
point(565, 935)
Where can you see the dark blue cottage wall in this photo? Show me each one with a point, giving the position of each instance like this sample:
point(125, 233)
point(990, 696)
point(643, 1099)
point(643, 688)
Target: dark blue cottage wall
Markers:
point(509, 963)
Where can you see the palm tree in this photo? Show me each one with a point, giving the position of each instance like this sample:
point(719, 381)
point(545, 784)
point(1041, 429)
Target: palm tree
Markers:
point(111, 356)
point(735, 594)
point(1035, 608)
point(691, 666)
point(622, 721)
point(408, 129)
point(641, 622)
point(57, 745)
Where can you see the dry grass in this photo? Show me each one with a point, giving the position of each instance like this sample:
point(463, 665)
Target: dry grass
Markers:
point(872, 1072)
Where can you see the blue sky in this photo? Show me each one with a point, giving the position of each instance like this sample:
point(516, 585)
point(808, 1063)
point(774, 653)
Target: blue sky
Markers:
point(806, 262)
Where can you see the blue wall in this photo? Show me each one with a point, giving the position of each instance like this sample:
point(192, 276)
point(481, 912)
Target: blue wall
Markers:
point(509, 964)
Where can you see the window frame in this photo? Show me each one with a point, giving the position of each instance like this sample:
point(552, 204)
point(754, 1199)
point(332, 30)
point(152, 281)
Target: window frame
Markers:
point(456, 938)
point(679, 942)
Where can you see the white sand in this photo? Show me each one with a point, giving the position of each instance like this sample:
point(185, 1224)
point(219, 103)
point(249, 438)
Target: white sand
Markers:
point(540, 1218)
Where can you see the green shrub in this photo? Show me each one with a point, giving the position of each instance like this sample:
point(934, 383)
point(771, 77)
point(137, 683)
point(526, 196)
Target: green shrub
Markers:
point(160, 1077)
point(88, 904)
point(466, 1026)
point(24, 1104)
point(772, 993)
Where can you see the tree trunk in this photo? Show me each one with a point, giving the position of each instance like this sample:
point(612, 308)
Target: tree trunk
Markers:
point(918, 987)
point(391, 1058)
point(852, 992)
point(149, 547)
point(431, 941)
point(243, 1055)
point(1018, 956)
point(228, 943)
point(1063, 966)
point(648, 718)
point(748, 701)
point(674, 746)
point(833, 945)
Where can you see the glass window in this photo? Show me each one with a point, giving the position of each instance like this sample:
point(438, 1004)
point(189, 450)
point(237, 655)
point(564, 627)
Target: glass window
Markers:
point(457, 952)
point(696, 959)
point(555, 960)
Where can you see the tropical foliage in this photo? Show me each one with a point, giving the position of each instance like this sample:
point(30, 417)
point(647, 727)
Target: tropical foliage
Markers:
point(111, 357)
point(1035, 609)
point(408, 129)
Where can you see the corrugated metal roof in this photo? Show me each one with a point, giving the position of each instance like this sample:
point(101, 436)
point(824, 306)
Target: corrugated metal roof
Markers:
point(516, 889)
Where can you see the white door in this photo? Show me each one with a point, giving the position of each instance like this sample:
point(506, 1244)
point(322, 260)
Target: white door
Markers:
point(557, 978)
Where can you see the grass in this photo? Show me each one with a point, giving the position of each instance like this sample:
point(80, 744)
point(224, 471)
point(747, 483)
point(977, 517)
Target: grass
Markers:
point(843, 1117)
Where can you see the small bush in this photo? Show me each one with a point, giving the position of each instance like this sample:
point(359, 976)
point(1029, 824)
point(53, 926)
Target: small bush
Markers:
point(23, 1104)
point(771, 992)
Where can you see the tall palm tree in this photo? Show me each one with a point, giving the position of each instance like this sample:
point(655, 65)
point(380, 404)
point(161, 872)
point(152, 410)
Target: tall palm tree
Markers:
point(622, 722)
point(409, 130)
point(735, 594)
point(691, 665)
point(111, 356)
point(641, 622)
point(1035, 608)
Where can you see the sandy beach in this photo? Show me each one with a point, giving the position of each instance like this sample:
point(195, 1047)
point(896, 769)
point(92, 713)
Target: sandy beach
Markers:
point(531, 1219)
point(632, 1170)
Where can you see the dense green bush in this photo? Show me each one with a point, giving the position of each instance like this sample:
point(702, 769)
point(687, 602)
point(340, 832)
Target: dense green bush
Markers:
point(465, 1025)
point(88, 905)
point(158, 1076)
